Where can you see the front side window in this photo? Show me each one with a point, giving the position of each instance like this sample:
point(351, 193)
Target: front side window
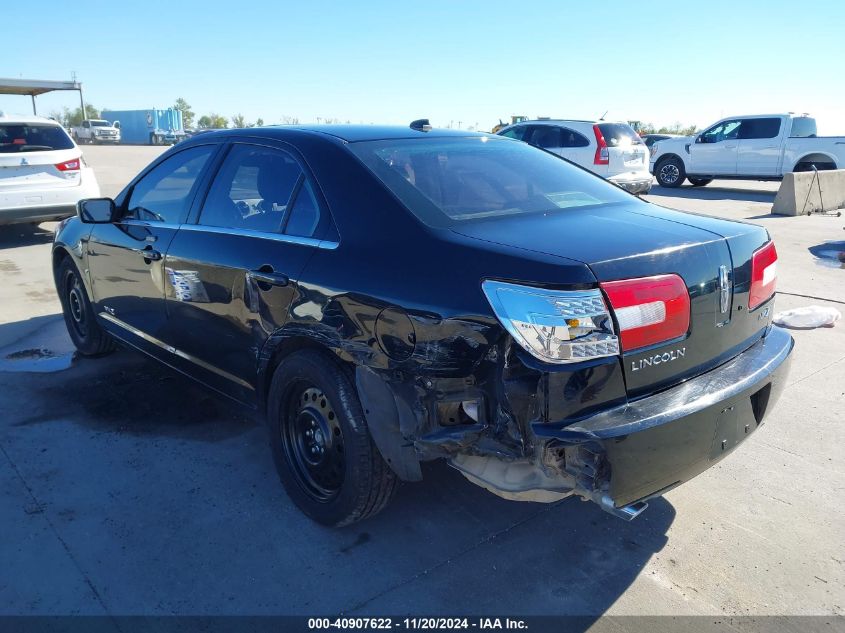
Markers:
point(515, 132)
point(32, 137)
point(759, 128)
point(165, 193)
point(252, 190)
point(724, 131)
point(444, 181)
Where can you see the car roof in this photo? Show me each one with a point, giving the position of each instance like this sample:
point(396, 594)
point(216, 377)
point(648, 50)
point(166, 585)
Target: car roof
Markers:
point(23, 118)
point(346, 133)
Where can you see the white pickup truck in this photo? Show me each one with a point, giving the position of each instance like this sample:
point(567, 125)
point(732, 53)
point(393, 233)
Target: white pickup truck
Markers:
point(95, 131)
point(754, 147)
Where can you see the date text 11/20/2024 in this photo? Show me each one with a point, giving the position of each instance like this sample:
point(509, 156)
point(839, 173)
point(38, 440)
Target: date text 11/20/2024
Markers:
point(417, 623)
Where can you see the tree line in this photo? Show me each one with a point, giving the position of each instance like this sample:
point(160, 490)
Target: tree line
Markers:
point(214, 121)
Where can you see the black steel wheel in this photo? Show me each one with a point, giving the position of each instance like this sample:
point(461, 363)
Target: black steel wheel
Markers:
point(87, 335)
point(326, 459)
point(313, 442)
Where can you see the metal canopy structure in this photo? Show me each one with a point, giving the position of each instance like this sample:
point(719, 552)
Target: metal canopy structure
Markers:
point(35, 87)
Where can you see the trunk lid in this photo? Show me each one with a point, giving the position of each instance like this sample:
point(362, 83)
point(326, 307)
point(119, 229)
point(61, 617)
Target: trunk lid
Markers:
point(37, 171)
point(639, 240)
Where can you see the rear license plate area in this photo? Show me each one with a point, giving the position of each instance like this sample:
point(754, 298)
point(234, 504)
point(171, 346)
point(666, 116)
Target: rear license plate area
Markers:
point(735, 422)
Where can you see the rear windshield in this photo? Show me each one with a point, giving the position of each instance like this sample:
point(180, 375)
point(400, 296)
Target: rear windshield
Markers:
point(619, 135)
point(803, 127)
point(32, 137)
point(98, 123)
point(446, 181)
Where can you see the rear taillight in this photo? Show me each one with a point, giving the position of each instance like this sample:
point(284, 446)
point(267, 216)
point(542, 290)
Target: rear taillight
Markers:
point(555, 326)
point(649, 310)
point(69, 165)
point(602, 155)
point(764, 275)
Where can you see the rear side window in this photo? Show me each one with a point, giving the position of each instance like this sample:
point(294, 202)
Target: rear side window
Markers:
point(448, 181)
point(619, 135)
point(759, 128)
point(165, 193)
point(304, 214)
point(803, 127)
point(252, 190)
point(545, 136)
point(18, 137)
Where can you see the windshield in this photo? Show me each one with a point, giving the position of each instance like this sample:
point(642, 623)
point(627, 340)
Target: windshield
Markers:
point(619, 135)
point(29, 137)
point(445, 181)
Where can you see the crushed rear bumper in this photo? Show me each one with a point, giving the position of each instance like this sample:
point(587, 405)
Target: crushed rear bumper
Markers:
point(656, 443)
point(624, 455)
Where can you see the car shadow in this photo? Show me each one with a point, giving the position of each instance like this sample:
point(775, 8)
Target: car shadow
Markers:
point(14, 235)
point(140, 467)
point(715, 192)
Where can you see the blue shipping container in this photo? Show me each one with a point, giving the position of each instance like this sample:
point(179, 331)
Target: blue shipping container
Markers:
point(147, 127)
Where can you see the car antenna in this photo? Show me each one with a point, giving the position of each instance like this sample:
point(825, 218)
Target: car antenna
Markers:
point(601, 118)
point(421, 125)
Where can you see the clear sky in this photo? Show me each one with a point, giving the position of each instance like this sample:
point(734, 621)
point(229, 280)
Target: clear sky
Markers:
point(469, 63)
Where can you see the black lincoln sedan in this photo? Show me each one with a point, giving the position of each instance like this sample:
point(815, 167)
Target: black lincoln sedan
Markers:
point(390, 295)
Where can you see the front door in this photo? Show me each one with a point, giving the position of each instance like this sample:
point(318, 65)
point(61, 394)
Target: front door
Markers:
point(714, 151)
point(126, 258)
point(231, 276)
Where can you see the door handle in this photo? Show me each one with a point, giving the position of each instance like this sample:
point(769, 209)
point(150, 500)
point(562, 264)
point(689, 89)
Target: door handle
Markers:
point(269, 277)
point(148, 253)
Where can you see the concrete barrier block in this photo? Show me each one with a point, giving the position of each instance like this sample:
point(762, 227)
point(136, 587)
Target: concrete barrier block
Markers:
point(801, 193)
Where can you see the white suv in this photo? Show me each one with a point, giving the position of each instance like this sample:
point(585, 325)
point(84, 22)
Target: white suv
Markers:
point(42, 172)
point(611, 150)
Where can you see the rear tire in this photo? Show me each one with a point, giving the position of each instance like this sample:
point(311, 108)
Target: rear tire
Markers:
point(670, 172)
point(700, 182)
point(86, 333)
point(326, 459)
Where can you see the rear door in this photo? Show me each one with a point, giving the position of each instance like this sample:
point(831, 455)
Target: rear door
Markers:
point(126, 258)
point(715, 150)
point(35, 157)
point(626, 150)
point(230, 276)
point(759, 146)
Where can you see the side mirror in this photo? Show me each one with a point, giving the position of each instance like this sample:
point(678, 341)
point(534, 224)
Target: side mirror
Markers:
point(96, 210)
point(699, 138)
point(116, 125)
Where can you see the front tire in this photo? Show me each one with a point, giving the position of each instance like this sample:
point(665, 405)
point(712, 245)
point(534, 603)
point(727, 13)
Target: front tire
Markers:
point(700, 182)
point(86, 333)
point(326, 459)
point(670, 172)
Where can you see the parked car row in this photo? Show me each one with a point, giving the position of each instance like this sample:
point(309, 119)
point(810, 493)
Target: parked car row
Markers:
point(387, 296)
point(611, 150)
